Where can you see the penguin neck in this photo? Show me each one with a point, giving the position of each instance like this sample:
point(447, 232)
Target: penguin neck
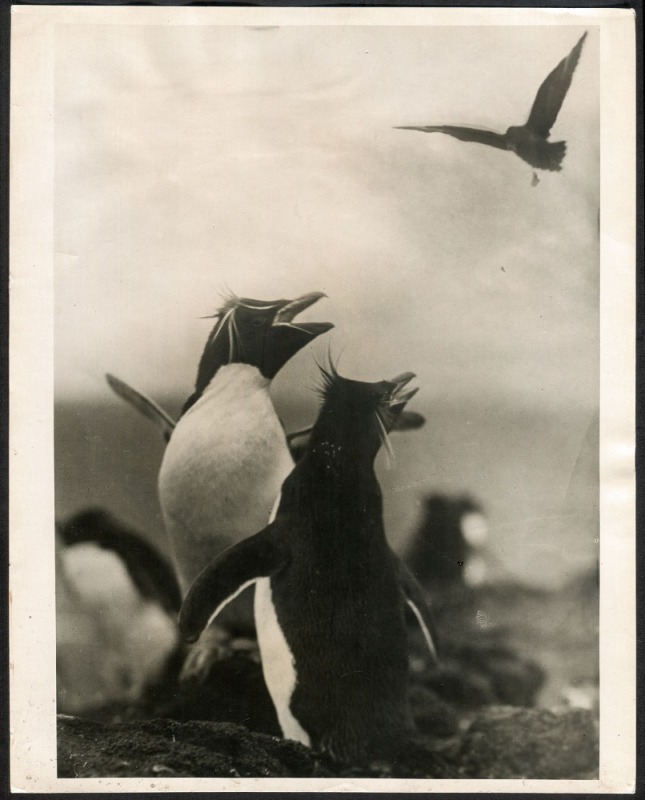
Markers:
point(235, 371)
point(342, 496)
point(234, 383)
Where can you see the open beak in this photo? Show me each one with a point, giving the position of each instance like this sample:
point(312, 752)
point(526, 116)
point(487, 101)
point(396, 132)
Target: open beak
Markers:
point(399, 383)
point(291, 309)
point(398, 397)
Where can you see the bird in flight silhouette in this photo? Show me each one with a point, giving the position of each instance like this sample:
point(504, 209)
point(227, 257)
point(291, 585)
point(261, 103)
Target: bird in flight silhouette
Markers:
point(528, 141)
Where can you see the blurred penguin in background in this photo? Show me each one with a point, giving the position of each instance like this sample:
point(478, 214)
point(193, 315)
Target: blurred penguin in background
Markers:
point(447, 549)
point(116, 605)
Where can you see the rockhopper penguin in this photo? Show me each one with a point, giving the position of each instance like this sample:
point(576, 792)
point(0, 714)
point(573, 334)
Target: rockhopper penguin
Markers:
point(330, 593)
point(228, 456)
point(116, 613)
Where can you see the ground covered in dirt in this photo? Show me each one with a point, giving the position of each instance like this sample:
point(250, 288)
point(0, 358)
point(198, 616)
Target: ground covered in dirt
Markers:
point(500, 742)
point(515, 697)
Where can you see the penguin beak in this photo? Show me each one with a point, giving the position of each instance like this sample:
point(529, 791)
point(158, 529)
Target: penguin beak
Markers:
point(292, 308)
point(398, 397)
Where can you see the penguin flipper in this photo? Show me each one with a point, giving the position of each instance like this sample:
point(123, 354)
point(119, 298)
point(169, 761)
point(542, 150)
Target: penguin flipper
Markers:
point(409, 421)
point(415, 598)
point(143, 404)
point(298, 441)
point(406, 421)
point(259, 556)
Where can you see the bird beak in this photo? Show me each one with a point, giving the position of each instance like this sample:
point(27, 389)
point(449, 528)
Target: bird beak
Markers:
point(399, 398)
point(291, 309)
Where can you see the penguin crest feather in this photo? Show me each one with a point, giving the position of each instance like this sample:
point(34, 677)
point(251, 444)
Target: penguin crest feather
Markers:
point(373, 397)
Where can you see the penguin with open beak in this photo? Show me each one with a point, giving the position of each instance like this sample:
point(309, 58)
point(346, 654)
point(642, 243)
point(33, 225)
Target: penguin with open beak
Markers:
point(228, 455)
point(330, 594)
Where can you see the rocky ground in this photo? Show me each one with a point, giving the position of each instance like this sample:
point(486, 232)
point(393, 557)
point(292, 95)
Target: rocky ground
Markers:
point(515, 697)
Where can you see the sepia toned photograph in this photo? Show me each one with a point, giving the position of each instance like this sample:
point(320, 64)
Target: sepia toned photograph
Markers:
point(325, 403)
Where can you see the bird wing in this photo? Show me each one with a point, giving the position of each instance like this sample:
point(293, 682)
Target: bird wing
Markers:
point(416, 600)
point(465, 134)
point(143, 404)
point(259, 556)
point(552, 92)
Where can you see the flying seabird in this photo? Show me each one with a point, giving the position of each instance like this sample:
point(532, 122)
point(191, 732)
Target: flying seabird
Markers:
point(528, 141)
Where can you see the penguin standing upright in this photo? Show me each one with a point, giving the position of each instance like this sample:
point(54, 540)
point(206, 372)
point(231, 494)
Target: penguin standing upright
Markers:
point(330, 593)
point(228, 455)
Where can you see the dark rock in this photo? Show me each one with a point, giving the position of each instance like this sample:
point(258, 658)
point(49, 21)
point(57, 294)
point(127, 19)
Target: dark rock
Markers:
point(193, 749)
point(432, 715)
point(479, 664)
point(515, 681)
point(417, 757)
point(521, 743)
point(460, 685)
point(501, 742)
point(164, 747)
point(511, 679)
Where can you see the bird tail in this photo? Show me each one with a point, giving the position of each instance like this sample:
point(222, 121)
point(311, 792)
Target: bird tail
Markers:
point(552, 156)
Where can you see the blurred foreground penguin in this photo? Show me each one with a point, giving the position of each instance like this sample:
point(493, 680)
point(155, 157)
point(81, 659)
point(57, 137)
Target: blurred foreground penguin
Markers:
point(330, 594)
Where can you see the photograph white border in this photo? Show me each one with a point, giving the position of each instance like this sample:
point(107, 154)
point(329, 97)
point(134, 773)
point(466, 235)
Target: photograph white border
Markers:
point(32, 579)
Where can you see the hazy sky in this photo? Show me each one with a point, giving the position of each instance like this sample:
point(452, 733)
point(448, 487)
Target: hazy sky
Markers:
point(191, 159)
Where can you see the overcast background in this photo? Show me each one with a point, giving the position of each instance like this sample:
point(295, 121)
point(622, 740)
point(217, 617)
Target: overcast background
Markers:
point(191, 159)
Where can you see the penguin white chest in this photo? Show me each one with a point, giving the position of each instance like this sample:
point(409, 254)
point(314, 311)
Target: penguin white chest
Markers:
point(278, 664)
point(223, 468)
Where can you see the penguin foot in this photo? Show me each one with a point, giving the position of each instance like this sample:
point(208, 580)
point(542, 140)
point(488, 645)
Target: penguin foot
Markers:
point(212, 646)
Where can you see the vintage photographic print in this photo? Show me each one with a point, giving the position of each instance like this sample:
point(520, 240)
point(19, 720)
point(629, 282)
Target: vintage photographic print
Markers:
point(322, 442)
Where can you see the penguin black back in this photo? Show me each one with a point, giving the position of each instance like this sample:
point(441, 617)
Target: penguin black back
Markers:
point(339, 603)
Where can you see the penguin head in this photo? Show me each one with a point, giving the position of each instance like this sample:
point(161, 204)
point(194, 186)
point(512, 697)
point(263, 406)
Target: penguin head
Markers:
point(261, 333)
point(357, 416)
